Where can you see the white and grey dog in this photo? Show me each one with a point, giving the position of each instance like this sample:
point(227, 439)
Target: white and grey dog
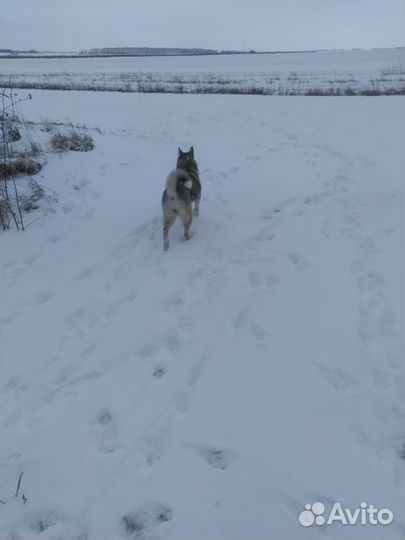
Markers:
point(183, 187)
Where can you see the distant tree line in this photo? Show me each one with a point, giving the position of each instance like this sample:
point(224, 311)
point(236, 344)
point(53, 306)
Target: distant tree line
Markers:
point(152, 51)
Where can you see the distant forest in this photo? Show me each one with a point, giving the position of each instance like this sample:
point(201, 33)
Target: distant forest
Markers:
point(151, 51)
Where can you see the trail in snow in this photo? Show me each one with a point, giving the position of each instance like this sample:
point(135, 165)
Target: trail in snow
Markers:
point(213, 390)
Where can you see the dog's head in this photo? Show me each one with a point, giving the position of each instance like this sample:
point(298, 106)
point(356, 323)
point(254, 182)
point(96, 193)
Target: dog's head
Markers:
point(185, 160)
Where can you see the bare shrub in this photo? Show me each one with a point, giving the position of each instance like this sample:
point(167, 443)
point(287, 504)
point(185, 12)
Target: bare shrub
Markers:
point(35, 194)
point(14, 134)
point(17, 192)
point(4, 211)
point(19, 166)
point(72, 141)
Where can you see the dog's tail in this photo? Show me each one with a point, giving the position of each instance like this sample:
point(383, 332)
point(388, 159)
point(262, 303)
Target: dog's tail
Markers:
point(177, 178)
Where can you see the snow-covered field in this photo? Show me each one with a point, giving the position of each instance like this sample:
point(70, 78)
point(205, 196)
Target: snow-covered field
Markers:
point(213, 390)
point(324, 72)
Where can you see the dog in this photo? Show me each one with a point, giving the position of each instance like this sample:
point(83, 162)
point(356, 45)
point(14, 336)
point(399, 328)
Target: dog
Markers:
point(183, 187)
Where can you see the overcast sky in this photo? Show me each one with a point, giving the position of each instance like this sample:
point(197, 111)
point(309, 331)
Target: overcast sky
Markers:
point(73, 25)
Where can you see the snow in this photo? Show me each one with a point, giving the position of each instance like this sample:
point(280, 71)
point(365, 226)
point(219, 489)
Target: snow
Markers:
point(278, 73)
point(213, 390)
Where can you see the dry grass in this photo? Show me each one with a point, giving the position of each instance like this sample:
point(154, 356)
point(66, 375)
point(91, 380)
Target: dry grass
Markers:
point(18, 167)
point(72, 141)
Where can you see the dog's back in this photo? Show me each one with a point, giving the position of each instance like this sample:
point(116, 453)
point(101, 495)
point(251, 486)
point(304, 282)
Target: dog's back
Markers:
point(186, 162)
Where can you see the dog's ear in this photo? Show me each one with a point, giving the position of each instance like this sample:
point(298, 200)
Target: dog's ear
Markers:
point(180, 152)
point(191, 151)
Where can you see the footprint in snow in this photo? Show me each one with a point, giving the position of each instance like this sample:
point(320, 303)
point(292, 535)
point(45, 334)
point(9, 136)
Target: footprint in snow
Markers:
point(8, 319)
point(158, 372)
point(102, 169)
point(182, 400)
point(296, 260)
point(147, 350)
point(196, 371)
point(253, 278)
point(172, 341)
point(41, 521)
point(104, 430)
point(311, 162)
point(376, 318)
point(40, 299)
point(87, 271)
point(37, 300)
point(215, 457)
point(272, 280)
point(55, 237)
point(240, 320)
point(370, 281)
point(338, 379)
point(175, 300)
point(68, 207)
point(257, 331)
point(265, 235)
point(194, 375)
point(16, 384)
point(87, 214)
point(218, 459)
point(89, 348)
point(140, 524)
point(51, 521)
point(95, 194)
point(30, 259)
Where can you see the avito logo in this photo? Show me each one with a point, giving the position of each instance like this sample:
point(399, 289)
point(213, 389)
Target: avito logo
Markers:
point(365, 515)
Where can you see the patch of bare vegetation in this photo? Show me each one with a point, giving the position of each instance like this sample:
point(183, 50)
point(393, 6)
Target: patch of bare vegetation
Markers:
point(10, 165)
point(73, 140)
point(23, 145)
point(387, 81)
point(20, 166)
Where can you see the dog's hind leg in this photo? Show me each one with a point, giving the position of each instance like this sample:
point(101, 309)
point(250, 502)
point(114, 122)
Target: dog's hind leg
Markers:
point(187, 229)
point(168, 220)
point(186, 217)
point(197, 206)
